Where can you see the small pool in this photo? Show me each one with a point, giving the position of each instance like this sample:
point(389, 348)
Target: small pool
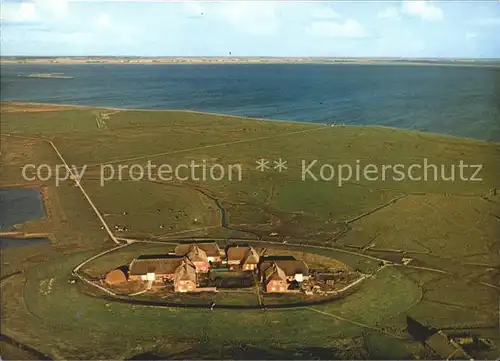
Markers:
point(19, 205)
point(10, 242)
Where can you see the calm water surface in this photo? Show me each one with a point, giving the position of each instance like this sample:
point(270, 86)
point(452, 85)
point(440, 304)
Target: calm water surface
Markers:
point(9, 242)
point(460, 101)
point(19, 205)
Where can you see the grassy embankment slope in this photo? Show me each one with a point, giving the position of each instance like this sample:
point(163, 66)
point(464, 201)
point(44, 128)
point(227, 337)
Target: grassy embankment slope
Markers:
point(450, 226)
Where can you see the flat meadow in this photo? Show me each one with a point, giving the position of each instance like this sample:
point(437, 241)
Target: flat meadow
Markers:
point(449, 230)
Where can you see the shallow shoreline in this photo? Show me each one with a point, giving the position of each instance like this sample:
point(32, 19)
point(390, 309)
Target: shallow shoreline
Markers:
point(249, 61)
point(86, 107)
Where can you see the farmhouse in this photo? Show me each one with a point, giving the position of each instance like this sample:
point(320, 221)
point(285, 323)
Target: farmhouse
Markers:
point(244, 257)
point(199, 259)
point(446, 348)
point(279, 274)
point(295, 270)
point(211, 249)
point(436, 340)
point(185, 277)
point(275, 279)
point(154, 268)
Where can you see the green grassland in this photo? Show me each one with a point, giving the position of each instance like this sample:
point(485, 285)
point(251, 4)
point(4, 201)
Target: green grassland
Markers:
point(462, 228)
point(449, 229)
point(69, 316)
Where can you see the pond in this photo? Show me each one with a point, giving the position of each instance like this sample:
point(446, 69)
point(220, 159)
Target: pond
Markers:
point(19, 205)
point(11, 242)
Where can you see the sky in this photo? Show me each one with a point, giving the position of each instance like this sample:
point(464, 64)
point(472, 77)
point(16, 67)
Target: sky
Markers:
point(398, 28)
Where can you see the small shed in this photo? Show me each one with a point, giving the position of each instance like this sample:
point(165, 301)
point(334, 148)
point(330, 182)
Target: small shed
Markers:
point(116, 276)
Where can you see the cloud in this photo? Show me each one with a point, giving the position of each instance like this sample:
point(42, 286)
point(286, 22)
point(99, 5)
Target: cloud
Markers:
point(194, 9)
point(27, 11)
point(324, 12)
point(390, 13)
point(490, 21)
point(103, 20)
point(55, 7)
point(255, 18)
point(350, 28)
point(423, 9)
point(18, 12)
point(33, 10)
point(469, 36)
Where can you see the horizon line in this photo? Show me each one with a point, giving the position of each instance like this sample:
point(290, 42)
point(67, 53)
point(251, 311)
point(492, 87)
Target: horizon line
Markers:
point(247, 57)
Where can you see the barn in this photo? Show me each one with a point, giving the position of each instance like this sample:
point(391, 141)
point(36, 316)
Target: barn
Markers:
point(275, 279)
point(244, 257)
point(155, 268)
point(211, 249)
point(185, 278)
point(115, 277)
point(199, 258)
point(294, 269)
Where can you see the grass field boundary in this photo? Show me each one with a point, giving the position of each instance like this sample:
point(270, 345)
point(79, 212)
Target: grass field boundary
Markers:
point(356, 323)
point(40, 355)
point(203, 147)
point(283, 306)
point(391, 202)
point(76, 273)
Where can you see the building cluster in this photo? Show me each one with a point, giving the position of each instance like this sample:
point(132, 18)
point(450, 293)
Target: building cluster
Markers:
point(193, 261)
point(444, 346)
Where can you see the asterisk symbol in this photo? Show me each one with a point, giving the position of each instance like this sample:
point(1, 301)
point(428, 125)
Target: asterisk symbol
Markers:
point(280, 165)
point(262, 164)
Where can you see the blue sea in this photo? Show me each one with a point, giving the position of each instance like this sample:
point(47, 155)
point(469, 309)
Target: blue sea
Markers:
point(459, 101)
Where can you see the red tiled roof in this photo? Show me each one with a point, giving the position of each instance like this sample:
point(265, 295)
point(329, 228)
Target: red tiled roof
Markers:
point(196, 254)
point(252, 257)
point(274, 273)
point(116, 276)
point(159, 264)
point(185, 272)
point(210, 248)
point(291, 267)
point(244, 254)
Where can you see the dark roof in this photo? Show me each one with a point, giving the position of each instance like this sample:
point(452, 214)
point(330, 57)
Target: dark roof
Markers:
point(252, 257)
point(185, 272)
point(236, 253)
point(440, 344)
point(159, 264)
point(210, 248)
point(196, 254)
point(274, 273)
point(290, 266)
point(245, 254)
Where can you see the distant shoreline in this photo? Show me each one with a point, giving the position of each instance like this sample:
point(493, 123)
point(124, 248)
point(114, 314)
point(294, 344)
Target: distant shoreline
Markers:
point(249, 60)
point(46, 76)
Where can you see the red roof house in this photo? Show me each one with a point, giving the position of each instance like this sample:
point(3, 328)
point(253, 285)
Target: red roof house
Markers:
point(211, 249)
point(245, 257)
point(275, 279)
point(155, 268)
point(295, 270)
point(185, 277)
point(199, 258)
